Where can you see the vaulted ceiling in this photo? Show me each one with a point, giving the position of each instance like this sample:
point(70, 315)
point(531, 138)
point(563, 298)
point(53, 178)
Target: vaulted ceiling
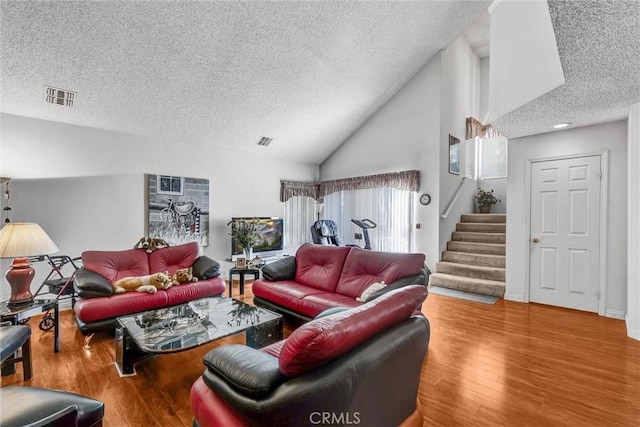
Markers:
point(307, 74)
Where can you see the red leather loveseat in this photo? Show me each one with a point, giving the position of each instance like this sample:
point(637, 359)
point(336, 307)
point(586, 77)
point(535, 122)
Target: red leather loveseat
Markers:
point(321, 277)
point(97, 306)
point(358, 366)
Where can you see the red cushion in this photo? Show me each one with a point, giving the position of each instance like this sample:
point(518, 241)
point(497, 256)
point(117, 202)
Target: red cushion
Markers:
point(211, 410)
point(364, 268)
point(322, 340)
point(174, 257)
point(320, 266)
point(186, 292)
point(114, 265)
point(94, 309)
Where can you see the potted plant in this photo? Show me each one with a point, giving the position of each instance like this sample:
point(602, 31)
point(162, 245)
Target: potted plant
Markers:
point(246, 234)
point(485, 200)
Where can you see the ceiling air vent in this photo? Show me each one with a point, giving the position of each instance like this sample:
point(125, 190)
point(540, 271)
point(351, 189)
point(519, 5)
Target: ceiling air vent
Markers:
point(60, 96)
point(264, 141)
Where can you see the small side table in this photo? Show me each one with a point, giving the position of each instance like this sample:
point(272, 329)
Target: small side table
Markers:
point(241, 272)
point(16, 314)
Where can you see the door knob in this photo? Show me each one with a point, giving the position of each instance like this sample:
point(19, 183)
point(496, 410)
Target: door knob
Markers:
point(535, 240)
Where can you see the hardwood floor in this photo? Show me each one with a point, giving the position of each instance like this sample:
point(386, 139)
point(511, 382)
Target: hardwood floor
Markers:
point(508, 364)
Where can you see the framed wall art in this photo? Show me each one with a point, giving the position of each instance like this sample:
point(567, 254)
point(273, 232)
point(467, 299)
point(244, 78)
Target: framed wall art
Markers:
point(454, 155)
point(178, 209)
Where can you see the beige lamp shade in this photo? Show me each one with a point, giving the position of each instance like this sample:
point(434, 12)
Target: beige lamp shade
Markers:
point(24, 239)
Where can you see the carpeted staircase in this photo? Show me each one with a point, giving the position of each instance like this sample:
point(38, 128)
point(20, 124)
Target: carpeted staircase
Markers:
point(475, 257)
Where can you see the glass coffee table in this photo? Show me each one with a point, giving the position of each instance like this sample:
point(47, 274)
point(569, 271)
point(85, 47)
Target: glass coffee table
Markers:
point(189, 325)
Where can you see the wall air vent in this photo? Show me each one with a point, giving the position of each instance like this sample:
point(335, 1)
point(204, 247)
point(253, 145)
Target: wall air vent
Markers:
point(264, 141)
point(60, 96)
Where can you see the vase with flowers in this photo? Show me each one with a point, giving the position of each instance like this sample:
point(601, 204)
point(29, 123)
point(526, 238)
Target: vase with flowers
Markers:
point(485, 200)
point(246, 233)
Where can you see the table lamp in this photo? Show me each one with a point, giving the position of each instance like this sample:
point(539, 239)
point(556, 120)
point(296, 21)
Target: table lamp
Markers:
point(21, 240)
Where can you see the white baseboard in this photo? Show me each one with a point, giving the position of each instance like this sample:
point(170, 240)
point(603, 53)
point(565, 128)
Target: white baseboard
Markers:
point(615, 314)
point(631, 333)
point(515, 297)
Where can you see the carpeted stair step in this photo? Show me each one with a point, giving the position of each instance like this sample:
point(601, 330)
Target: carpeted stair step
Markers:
point(481, 227)
point(499, 218)
point(468, 284)
point(477, 271)
point(477, 248)
point(474, 259)
point(465, 236)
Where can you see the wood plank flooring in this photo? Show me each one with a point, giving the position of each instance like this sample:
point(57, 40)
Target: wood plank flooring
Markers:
point(509, 364)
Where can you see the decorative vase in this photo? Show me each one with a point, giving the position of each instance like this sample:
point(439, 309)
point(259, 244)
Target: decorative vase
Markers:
point(485, 209)
point(248, 254)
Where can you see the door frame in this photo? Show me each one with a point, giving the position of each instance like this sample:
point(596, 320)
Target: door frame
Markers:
point(604, 222)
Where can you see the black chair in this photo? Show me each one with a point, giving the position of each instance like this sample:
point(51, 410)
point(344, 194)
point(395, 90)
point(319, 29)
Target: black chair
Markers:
point(33, 406)
point(325, 232)
point(13, 337)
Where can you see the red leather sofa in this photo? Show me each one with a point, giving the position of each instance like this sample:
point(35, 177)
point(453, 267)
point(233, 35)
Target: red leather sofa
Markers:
point(358, 366)
point(320, 277)
point(97, 306)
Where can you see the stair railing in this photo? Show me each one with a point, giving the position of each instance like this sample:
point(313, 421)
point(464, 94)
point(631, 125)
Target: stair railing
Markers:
point(453, 199)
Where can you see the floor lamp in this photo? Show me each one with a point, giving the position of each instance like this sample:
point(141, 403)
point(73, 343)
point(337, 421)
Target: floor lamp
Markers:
point(21, 240)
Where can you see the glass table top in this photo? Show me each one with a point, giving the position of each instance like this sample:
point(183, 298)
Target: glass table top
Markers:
point(192, 324)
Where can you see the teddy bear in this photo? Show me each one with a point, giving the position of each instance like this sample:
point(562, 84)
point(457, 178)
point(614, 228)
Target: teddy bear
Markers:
point(150, 244)
point(183, 275)
point(150, 283)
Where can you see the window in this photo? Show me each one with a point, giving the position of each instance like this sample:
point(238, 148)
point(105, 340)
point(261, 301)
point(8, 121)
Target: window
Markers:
point(299, 215)
point(390, 208)
point(487, 158)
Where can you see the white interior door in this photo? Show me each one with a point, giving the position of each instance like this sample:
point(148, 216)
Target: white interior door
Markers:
point(565, 232)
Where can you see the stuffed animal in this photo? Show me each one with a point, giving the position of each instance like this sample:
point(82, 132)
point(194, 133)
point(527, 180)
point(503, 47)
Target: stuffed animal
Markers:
point(150, 283)
point(150, 244)
point(183, 275)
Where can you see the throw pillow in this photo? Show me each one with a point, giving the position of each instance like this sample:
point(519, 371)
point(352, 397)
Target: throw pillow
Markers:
point(364, 296)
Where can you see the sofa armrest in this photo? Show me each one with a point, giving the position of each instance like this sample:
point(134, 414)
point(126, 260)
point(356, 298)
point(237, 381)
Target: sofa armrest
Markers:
point(249, 371)
point(206, 268)
point(421, 278)
point(89, 284)
point(284, 269)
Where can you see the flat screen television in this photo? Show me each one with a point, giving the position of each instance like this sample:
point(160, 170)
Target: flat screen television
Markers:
point(270, 242)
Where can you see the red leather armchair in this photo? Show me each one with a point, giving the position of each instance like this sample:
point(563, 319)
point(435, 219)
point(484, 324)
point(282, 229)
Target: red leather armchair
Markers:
point(355, 366)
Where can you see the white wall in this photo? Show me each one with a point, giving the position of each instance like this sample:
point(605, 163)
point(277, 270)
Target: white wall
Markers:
point(633, 272)
point(412, 131)
point(86, 186)
point(525, 63)
point(460, 98)
point(404, 134)
point(586, 140)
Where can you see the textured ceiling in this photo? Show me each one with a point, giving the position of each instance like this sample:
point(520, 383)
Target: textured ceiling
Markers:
point(599, 46)
point(307, 74)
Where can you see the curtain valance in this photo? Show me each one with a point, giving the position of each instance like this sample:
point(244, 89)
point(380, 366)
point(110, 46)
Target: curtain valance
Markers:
point(405, 180)
point(476, 128)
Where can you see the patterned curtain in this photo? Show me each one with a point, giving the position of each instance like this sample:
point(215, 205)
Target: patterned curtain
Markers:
point(405, 180)
point(290, 189)
point(476, 128)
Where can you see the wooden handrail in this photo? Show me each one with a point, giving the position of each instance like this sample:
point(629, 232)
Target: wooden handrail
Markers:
point(453, 200)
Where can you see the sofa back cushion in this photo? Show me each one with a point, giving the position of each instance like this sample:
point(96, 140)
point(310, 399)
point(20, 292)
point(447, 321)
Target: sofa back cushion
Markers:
point(114, 265)
point(322, 340)
point(174, 258)
point(320, 266)
point(363, 268)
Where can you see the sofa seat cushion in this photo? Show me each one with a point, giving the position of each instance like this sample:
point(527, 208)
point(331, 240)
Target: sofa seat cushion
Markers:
point(312, 305)
point(320, 266)
point(114, 265)
point(273, 349)
point(174, 258)
point(364, 268)
point(287, 294)
point(322, 340)
point(208, 406)
point(96, 309)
